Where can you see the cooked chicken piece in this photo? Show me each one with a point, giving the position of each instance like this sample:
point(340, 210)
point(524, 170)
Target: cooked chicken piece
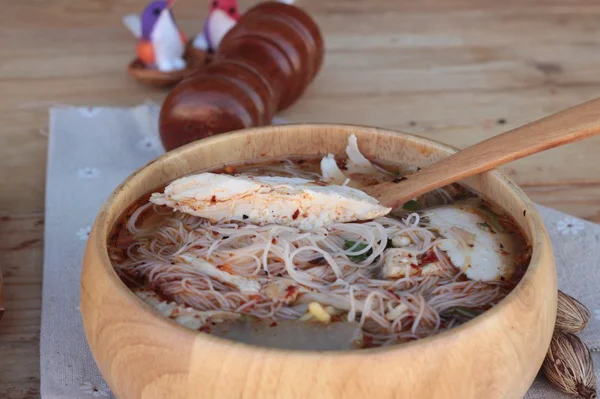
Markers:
point(186, 316)
point(283, 290)
point(400, 241)
point(396, 312)
point(360, 171)
point(331, 172)
point(268, 200)
point(400, 263)
point(244, 284)
point(357, 163)
point(471, 244)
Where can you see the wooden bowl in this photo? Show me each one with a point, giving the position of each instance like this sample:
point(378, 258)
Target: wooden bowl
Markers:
point(142, 354)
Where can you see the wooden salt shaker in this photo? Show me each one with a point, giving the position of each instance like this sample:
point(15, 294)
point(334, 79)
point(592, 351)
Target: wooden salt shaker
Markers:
point(263, 64)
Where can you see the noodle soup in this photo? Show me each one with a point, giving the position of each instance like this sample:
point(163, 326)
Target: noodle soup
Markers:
point(433, 264)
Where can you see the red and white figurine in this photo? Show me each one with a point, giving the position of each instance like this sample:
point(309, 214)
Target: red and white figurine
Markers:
point(223, 16)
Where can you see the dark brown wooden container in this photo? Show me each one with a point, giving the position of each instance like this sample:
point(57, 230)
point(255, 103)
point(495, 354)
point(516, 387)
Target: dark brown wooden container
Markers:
point(263, 64)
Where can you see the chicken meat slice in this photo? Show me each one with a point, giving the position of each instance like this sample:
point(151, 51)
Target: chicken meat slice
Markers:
point(186, 316)
point(264, 200)
point(399, 262)
point(360, 171)
point(331, 172)
point(472, 246)
point(244, 284)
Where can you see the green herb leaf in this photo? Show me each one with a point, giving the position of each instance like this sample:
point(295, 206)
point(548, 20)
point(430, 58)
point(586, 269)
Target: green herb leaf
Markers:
point(484, 226)
point(357, 248)
point(492, 218)
point(411, 205)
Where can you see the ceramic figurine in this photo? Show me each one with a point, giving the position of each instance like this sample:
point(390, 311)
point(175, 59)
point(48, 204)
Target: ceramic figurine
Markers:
point(161, 45)
point(223, 16)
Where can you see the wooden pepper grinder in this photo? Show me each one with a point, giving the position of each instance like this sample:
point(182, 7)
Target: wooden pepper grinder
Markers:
point(262, 65)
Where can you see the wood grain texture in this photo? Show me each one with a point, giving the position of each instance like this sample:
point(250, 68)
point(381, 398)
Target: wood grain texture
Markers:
point(142, 354)
point(457, 71)
point(561, 128)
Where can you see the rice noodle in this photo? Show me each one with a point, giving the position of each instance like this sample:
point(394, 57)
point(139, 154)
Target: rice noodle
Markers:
point(319, 264)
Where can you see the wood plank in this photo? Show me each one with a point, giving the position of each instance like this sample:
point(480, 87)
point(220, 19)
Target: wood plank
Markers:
point(455, 71)
point(21, 252)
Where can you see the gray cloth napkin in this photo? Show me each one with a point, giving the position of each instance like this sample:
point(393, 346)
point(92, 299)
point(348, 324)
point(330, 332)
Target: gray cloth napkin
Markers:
point(92, 150)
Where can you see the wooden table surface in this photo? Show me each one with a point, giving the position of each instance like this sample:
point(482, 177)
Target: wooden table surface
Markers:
point(457, 72)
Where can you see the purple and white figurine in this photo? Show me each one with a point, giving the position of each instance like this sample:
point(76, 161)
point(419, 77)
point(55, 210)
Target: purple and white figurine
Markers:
point(161, 44)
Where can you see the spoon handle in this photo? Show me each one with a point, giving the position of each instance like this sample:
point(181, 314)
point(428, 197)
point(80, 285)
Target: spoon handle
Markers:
point(562, 128)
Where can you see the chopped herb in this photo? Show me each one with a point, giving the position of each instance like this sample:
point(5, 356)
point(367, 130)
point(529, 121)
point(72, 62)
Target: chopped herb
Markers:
point(491, 217)
point(348, 244)
point(460, 312)
point(484, 226)
point(357, 247)
point(397, 172)
point(411, 205)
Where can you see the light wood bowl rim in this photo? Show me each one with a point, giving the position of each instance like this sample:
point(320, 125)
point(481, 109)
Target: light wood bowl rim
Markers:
point(99, 235)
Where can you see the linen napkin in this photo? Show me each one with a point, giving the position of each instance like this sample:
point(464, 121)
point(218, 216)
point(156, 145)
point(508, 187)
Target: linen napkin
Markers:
point(91, 150)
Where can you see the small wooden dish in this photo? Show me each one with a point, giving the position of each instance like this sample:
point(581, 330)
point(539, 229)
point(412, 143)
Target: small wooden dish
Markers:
point(194, 57)
point(142, 354)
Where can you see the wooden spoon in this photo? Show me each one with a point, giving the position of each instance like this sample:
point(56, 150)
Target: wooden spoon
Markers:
point(564, 127)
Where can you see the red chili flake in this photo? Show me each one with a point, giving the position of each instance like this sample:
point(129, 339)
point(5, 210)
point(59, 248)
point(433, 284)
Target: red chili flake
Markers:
point(335, 318)
point(274, 324)
point(226, 268)
point(318, 261)
point(367, 342)
point(175, 312)
point(205, 329)
point(394, 294)
point(273, 240)
point(295, 215)
point(429, 257)
point(290, 291)
point(503, 252)
point(213, 200)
